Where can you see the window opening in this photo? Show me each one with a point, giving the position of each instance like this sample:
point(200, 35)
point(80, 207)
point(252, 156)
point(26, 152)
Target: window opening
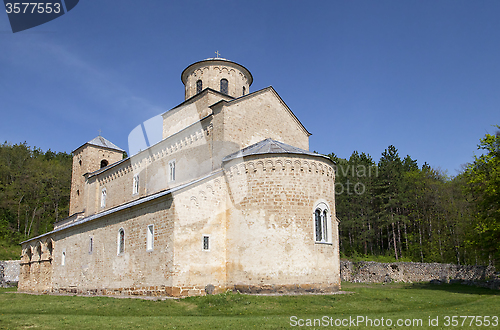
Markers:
point(104, 163)
point(317, 218)
point(50, 247)
point(135, 185)
point(171, 166)
point(103, 197)
point(39, 250)
point(91, 245)
point(63, 259)
point(150, 238)
point(321, 223)
point(224, 86)
point(206, 243)
point(121, 241)
point(199, 86)
point(244, 90)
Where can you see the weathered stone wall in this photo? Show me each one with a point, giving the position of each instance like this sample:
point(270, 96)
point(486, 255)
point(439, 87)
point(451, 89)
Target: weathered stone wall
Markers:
point(271, 245)
point(251, 119)
point(190, 149)
point(376, 272)
point(87, 159)
point(211, 72)
point(36, 265)
point(9, 273)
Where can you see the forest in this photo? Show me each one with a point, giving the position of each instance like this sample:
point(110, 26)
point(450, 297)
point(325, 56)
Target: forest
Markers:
point(392, 208)
point(387, 210)
point(34, 193)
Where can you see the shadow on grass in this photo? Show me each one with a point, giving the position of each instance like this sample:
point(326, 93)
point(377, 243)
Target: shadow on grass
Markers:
point(455, 288)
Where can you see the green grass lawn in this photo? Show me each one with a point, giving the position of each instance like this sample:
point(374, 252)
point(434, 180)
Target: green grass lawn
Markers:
point(237, 311)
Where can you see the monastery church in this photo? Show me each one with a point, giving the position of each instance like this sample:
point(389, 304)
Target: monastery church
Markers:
point(231, 198)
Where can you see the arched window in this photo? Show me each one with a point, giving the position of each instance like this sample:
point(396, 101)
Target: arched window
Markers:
point(121, 241)
point(171, 175)
point(223, 86)
point(91, 245)
point(104, 163)
point(322, 223)
point(29, 254)
point(199, 86)
point(135, 185)
point(103, 197)
point(39, 250)
point(244, 90)
point(50, 247)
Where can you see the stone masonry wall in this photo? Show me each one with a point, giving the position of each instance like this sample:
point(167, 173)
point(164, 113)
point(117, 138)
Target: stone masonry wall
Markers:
point(271, 245)
point(376, 272)
point(9, 273)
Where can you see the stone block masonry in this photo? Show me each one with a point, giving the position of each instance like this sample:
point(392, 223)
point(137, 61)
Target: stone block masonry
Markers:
point(9, 273)
point(407, 272)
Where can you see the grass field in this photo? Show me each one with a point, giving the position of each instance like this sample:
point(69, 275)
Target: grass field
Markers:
point(236, 311)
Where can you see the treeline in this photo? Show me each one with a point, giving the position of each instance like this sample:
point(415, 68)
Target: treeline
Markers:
point(34, 190)
point(394, 208)
point(386, 208)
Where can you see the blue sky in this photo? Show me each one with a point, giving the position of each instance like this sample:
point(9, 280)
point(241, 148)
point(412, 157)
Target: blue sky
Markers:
point(360, 75)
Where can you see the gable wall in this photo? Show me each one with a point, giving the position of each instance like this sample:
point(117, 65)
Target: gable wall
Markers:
point(177, 119)
point(259, 117)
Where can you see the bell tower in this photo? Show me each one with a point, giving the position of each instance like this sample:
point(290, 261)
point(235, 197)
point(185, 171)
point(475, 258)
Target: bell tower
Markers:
point(90, 157)
point(219, 74)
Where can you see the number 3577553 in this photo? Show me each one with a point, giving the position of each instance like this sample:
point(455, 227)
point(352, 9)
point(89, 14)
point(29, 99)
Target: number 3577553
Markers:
point(33, 8)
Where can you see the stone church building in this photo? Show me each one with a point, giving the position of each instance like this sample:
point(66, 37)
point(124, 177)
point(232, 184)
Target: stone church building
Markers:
point(231, 198)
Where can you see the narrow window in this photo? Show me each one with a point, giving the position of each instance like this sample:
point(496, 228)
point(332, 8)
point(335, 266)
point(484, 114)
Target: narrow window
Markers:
point(244, 90)
point(121, 241)
point(223, 86)
point(325, 226)
point(50, 247)
point(104, 163)
point(150, 238)
point(135, 185)
point(206, 243)
point(321, 223)
point(199, 86)
point(63, 259)
point(171, 167)
point(39, 251)
point(317, 220)
point(29, 253)
point(103, 197)
point(91, 245)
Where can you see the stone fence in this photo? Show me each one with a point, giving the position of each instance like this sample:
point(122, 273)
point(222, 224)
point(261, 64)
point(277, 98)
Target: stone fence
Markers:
point(377, 272)
point(9, 273)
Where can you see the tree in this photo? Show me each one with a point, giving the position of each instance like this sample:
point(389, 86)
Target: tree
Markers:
point(483, 178)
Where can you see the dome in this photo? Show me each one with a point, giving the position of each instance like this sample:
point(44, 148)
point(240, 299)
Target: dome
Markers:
point(219, 74)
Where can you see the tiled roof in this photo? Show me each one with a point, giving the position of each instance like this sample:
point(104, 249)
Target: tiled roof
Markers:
point(269, 146)
point(102, 142)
